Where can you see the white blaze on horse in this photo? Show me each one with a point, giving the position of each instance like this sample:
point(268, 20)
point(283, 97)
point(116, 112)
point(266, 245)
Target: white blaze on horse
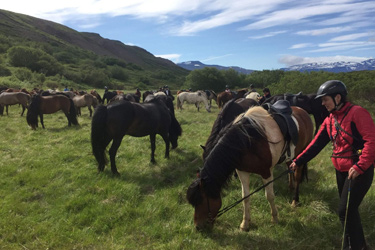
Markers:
point(193, 98)
point(253, 143)
point(12, 98)
point(86, 100)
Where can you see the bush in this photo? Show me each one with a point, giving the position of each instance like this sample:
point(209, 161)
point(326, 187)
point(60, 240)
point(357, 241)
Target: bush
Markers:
point(118, 73)
point(23, 74)
point(4, 71)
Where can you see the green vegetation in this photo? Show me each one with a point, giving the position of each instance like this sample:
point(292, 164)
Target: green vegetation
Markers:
point(51, 195)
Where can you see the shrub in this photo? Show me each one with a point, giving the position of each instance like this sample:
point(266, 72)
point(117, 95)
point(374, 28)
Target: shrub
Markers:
point(4, 71)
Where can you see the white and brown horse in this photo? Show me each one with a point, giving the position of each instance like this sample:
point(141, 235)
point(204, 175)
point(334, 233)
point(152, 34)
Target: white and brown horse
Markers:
point(253, 143)
point(86, 100)
point(193, 98)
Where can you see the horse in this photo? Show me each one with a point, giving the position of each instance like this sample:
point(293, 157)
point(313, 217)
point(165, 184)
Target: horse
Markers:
point(224, 97)
point(86, 100)
point(50, 104)
point(127, 97)
point(145, 94)
point(307, 102)
point(113, 122)
point(193, 97)
point(253, 143)
point(211, 95)
point(96, 94)
point(109, 95)
point(253, 95)
point(11, 98)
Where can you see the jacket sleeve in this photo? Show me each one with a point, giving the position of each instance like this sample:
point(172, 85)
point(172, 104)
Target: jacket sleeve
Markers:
point(366, 128)
point(320, 140)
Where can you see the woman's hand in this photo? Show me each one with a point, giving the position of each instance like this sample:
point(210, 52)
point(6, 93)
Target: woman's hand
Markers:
point(293, 166)
point(352, 173)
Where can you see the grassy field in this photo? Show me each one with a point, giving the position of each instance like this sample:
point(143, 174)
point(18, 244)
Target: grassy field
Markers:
point(52, 197)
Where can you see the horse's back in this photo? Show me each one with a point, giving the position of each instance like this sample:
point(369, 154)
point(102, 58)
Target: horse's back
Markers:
point(11, 98)
point(53, 103)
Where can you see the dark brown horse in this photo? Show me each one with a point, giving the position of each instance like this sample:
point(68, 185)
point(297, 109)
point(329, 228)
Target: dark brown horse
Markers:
point(50, 104)
point(307, 102)
point(120, 118)
point(253, 143)
point(224, 97)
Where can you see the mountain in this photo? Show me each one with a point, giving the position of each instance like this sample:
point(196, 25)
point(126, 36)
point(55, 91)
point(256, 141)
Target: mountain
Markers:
point(335, 67)
point(192, 65)
point(27, 28)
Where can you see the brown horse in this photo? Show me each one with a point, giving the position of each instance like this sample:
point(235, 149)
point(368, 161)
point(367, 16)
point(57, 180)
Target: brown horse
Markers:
point(86, 100)
point(11, 98)
point(96, 94)
point(224, 97)
point(50, 104)
point(253, 143)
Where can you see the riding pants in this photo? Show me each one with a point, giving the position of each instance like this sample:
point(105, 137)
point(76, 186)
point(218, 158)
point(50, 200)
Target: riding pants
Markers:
point(358, 188)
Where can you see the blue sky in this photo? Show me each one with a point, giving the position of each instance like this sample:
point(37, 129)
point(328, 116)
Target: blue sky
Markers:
point(253, 34)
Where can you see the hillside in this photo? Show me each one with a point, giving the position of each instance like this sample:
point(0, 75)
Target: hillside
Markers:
point(29, 31)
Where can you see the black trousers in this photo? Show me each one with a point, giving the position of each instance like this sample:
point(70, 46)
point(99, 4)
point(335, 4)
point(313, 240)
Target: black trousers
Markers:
point(358, 189)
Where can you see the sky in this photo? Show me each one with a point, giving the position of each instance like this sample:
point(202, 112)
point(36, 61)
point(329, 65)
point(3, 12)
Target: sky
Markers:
point(252, 34)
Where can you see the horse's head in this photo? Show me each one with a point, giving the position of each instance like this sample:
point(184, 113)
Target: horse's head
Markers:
point(206, 208)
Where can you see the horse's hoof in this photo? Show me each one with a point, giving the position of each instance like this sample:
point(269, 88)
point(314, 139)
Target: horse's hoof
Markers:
point(117, 174)
point(275, 220)
point(245, 227)
point(295, 204)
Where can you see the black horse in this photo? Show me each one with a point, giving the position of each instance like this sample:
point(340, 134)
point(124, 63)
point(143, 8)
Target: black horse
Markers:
point(307, 102)
point(113, 122)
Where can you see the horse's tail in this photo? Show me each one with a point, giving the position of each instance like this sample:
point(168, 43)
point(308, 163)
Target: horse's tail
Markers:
point(175, 131)
point(32, 112)
point(99, 135)
point(178, 102)
point(73, 113)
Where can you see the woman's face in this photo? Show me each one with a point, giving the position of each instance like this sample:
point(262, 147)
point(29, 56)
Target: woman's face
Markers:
point(328, 102)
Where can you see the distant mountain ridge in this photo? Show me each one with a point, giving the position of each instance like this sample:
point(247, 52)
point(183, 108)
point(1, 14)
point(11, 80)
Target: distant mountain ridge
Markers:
point(335, 67)
point(192, 65)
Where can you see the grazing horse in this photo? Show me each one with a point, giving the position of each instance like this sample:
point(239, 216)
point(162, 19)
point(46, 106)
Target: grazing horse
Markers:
point(11, 98)
point(253, 143)
point(113, 122)
point(211, 95)
point(50, 104)
point(86, 100)
point(307, 102)
point(193, 98)
point(96, 94)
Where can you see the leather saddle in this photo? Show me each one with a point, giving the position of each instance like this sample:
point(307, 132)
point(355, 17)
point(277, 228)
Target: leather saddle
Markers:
point(292, 98)
point(281, 111)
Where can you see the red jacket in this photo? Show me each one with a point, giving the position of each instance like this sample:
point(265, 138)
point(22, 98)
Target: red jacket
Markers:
point(350, 118)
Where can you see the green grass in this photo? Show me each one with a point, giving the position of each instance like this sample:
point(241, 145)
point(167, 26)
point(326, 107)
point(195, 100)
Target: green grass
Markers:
point(51, 195)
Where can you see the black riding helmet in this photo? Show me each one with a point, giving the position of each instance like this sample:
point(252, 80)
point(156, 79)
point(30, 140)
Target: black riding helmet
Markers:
point(331, 88)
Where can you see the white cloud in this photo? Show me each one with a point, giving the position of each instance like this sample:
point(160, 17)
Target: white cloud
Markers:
point(350, 37)
point(301, 45)
point(173, 57)
point(290, 60)
point(270, 34)
point(323, 31)
point(215, 57)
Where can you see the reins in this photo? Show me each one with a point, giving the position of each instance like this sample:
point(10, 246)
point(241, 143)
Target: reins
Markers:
point(229, 207)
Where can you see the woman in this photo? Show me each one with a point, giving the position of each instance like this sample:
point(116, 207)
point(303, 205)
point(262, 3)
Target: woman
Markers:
point(350, 129)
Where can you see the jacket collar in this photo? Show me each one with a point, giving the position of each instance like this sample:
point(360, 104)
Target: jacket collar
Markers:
point(343, 109)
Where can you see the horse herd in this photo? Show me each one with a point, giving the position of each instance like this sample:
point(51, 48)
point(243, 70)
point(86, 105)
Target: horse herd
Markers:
point(245, 137)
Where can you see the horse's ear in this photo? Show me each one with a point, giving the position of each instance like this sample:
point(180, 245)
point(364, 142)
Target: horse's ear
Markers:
point(203, 147)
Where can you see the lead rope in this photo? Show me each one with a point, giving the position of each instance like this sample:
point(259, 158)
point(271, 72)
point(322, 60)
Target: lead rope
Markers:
point(346, 215)
point(227, 208)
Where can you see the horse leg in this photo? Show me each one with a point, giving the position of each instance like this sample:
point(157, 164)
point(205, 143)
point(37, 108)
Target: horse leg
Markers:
point(112, 154)
point(23, 109)
point(152, 140)
point(296, 179)
point(270, 195)
point(90, 110)
point(41, 119)
point(197, 105)
point(166, 140)
point(245, 183)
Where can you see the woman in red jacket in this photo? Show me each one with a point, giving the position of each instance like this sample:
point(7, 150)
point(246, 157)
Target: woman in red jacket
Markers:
point(351, 131)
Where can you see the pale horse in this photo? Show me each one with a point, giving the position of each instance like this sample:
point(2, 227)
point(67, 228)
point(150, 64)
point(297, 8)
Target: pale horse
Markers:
point(254, 95)
point(193, 98)
point(83, 101)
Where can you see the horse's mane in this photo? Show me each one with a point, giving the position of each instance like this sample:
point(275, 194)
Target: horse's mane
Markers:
point(231, 107)
point(233, 141)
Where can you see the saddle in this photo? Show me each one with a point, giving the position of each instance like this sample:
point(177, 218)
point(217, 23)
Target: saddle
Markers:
point(292, 98)
point(281, 112)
